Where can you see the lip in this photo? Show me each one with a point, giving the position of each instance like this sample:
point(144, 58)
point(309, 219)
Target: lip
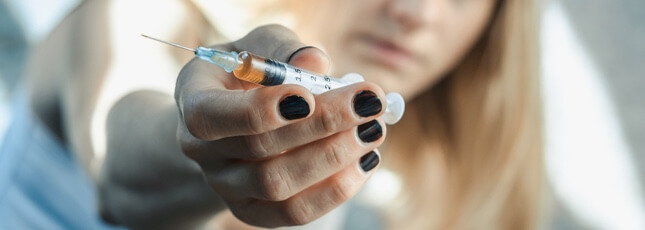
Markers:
point(387, 52)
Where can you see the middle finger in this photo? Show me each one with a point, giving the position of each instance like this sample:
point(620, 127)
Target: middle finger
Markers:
point(335, 111)
point(281, 177)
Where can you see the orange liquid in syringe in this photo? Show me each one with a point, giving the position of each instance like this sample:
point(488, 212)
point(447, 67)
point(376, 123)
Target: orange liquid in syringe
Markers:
point(259, 70)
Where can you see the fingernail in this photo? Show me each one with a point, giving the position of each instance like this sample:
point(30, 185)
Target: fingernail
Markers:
point(370, 131)
point(369, 161)
point(294, 107)
point(366, 104)
point(298, 50)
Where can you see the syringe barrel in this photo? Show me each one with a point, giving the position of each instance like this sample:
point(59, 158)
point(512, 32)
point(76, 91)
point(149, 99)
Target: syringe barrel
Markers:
point(264, 71)
point(259, 70)
point(268, 72)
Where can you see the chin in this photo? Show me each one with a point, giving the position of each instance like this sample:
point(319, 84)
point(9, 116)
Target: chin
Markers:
point(390, 82)
point(390, 79)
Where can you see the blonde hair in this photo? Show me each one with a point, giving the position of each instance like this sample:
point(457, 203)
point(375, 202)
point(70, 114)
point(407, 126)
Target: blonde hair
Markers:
point(483, 124)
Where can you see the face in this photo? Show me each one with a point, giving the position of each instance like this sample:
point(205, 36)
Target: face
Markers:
point(403, 45)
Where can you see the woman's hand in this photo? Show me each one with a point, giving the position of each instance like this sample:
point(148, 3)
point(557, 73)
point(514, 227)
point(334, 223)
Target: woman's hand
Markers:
point(277, 155)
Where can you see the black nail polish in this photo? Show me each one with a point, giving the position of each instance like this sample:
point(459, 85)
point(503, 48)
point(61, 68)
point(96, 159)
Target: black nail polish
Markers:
point(369, 161)
point(366, 104)
point(294, 107)
point(370, 131)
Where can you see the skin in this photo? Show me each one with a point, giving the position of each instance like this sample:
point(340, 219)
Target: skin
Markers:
point(271, 171)
point(176, 161)
point(402, 45)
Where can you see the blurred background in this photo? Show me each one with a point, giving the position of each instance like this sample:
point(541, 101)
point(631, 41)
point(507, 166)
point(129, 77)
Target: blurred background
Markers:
point(592, 66)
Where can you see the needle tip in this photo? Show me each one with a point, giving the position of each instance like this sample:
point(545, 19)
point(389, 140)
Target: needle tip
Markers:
point(169, 43)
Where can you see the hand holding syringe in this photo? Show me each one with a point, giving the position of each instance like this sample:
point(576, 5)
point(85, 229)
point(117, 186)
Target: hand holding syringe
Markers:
point(255, 69)
point(270, 152)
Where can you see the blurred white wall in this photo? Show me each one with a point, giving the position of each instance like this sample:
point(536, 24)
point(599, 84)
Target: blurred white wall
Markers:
point(589, 163)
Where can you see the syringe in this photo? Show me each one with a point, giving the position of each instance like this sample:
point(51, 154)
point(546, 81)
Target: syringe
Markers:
point(264, 71)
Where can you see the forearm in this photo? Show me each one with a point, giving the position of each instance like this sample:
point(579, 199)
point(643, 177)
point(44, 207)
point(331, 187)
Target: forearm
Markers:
point(146, 181)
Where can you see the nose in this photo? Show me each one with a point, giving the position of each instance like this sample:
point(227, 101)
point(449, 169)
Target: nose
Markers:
point(414, 13)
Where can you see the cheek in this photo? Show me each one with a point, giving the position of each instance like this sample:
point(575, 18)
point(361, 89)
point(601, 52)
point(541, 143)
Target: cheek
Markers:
point(446, 44)
point(455, 37)
point(326, 24)
point(336, 32)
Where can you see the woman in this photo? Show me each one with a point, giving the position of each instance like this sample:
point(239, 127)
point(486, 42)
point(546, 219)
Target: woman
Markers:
point(468, 149)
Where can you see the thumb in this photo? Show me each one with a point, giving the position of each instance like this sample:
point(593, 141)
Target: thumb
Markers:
point(281, 44)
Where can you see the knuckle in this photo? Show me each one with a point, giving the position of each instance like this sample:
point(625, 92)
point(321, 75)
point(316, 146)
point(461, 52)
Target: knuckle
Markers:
point(341, 190)
point(188, 148)
point(260, 113)
point(185, 141)
point(296, 213)
point(194, 127)
point(335, 154)
point(194, 118)
point(183, 78)
point(329, 120)
point(271, 183)
point(260, 145)
point(254, 121)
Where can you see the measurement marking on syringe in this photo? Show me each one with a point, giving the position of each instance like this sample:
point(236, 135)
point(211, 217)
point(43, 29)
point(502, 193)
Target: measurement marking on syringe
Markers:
point(256, 69)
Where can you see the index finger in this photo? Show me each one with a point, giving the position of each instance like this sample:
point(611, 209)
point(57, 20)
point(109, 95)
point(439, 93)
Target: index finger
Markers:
point(282, 44)
point(210, 112)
